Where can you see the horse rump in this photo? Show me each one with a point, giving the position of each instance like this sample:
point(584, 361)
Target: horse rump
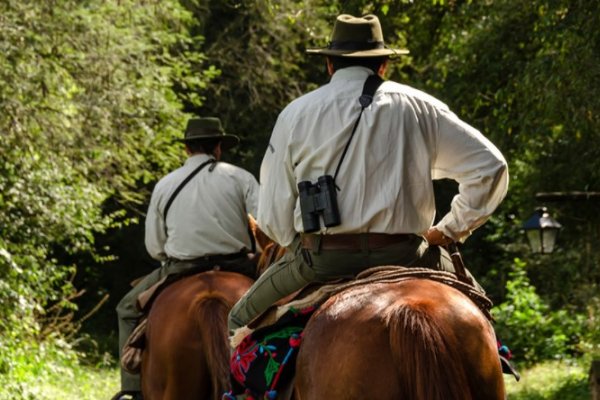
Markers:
point(416, 339)
point(187, 349)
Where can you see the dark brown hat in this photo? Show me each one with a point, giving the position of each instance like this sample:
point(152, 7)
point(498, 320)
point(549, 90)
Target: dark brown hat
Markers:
point(208, 128)
point(357, 37)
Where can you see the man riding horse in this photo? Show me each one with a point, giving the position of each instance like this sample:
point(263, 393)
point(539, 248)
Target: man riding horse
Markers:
point(197, 218)
point(365, 169)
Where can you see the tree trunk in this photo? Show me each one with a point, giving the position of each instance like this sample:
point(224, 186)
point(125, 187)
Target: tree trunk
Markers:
point(595, 379)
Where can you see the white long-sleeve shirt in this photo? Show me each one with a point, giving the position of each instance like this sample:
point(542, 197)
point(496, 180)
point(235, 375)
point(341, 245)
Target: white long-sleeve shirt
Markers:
point(209, 216)
point(405, 139)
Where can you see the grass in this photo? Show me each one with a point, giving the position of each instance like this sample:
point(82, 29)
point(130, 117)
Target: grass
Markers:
point(552, 380)
point(84, 383)
point(64, 383)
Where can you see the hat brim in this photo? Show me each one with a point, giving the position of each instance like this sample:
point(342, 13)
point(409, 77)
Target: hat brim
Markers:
point(358, 53)
point(227, 141)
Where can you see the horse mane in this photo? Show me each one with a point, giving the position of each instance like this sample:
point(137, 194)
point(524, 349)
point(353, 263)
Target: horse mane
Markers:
point(427, 364)
point(211, 316)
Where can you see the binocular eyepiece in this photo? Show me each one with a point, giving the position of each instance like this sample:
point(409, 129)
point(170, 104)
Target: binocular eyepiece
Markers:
point(316, 200)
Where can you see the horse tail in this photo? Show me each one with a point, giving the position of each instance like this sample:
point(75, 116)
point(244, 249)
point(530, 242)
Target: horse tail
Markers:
point(212, 311)
point(428, 366)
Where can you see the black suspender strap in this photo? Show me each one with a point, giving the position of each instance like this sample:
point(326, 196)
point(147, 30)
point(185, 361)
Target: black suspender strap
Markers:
point(181, 185)
point(365, 99)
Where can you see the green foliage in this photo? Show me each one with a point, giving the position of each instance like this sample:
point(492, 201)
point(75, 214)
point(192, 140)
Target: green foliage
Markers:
point(27, 363)
point(89, 112)
point(51, 371)
point(259, 47)
point(526, 323)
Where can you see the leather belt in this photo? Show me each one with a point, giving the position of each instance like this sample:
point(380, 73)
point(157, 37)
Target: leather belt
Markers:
point(213, 258)
point(357, 241)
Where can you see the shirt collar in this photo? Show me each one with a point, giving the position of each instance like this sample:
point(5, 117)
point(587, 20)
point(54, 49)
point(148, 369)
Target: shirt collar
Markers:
point(351, 74)
point(198, 159)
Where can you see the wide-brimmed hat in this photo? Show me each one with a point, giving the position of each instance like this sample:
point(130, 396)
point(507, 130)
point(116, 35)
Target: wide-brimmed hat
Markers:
point(357, 37)
point(208, 128)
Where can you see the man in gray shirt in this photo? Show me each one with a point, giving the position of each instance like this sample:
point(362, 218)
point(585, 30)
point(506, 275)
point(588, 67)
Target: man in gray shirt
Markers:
point(194, 224)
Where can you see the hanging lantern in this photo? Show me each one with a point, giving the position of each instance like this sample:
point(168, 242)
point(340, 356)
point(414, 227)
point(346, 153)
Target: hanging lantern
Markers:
point(541, 230)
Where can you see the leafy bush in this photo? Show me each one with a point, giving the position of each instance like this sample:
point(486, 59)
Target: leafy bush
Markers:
point(88, 113)
point(528, 325)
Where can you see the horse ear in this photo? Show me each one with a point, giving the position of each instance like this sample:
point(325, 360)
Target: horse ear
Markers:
point(262, 240)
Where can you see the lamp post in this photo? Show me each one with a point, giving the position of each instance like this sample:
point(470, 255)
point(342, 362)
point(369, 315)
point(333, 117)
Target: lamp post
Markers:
point(542, 231)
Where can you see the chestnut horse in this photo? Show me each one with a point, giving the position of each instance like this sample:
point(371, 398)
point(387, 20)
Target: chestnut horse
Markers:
point(187, 348)
point(413, 340)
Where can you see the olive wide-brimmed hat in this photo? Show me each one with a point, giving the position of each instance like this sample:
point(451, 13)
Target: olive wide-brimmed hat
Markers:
point(208, 128)
point(357, 37)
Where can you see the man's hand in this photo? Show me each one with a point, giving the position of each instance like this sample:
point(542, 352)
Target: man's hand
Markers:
point(436, 237)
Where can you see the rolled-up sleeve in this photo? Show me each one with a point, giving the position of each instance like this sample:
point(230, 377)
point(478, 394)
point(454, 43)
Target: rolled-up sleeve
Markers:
point(466, 156)
point(277, 195)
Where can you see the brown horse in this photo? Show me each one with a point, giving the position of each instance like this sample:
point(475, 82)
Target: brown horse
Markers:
point(413, 340)
point(187, 349)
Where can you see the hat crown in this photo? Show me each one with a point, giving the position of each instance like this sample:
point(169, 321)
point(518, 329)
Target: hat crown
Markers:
point(359, 30)
point(357, 37)
point(199, 127)
point(207, 128)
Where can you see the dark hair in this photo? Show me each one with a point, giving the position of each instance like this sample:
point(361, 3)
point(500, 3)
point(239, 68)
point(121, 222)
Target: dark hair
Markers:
point(373, 63)
point(202, 145)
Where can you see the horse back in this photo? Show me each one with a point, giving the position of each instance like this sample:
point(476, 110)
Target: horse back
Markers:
point(415, 339)
point(186, 338)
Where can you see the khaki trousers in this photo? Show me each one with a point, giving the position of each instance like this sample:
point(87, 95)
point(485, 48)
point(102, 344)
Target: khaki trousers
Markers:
point(298, 267)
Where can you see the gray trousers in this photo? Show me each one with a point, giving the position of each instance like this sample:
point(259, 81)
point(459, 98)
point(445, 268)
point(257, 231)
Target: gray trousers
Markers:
point(299, 267)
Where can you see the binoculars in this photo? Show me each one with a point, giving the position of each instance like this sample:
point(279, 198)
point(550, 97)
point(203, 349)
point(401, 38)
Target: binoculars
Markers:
point(316, 200)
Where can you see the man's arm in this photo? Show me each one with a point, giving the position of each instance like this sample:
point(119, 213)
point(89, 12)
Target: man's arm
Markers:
point(155, 237)
point(278, 191)
point(465, 155)
point(251, 194)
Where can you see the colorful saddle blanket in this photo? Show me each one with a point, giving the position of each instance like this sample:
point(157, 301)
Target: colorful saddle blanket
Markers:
point(265, 360)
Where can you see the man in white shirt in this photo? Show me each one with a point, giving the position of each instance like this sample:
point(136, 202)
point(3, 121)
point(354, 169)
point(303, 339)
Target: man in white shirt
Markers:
point(402, 141)
point(198, 217)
